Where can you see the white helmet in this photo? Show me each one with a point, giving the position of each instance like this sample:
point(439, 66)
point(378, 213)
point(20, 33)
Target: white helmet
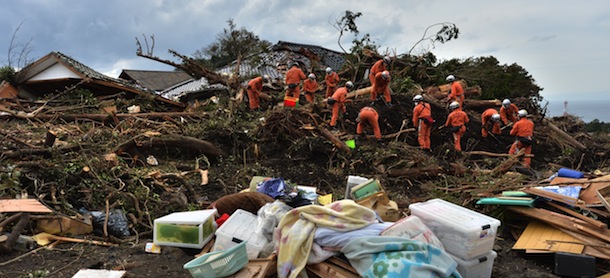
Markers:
point(418, 98)
point(506, 102)
point(328, 70)
point(522, 113)
point(385, 74)
point(349, 84)
point(495, 117)
point(312, 76)
point(450, 78)
point(454, 105)
point(386, 59)
point(266, 78)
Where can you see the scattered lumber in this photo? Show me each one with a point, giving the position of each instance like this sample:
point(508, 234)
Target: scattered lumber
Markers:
point(175, 141)
point(564, 135)
point(331, 137)
point(493, 154)
point(416, 172)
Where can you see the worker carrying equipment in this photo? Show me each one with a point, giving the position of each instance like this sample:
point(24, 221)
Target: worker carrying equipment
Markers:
point(368, 116)
point(490, 121)
point(340, 97)
point(422, 121)
point(378, 67)
point(457, 121)
point(310, 86)
point(523, 129)
point(331, 80)
point(293, 79)
point(508, 112)
point(381, 87)
point(456, 92)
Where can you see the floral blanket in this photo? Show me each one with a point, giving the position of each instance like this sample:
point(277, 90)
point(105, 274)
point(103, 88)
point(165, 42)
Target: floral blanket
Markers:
point(295, 233)
point(387, 257)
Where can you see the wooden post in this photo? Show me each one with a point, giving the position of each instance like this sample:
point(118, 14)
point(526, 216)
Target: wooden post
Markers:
point(50, 139)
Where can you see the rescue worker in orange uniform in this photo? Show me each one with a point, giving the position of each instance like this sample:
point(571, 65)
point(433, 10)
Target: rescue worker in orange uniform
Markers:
point(255, 86)
point(381, 87)
point(339, 98)
point(293, 79)
point(378, 67)
point(368, 116)
point(508, 112)
point(523, 129)
point(310, 86)
point(332, 80)
point(457, 92)
point(422, 120)
point(490, 120)
point(457, 120)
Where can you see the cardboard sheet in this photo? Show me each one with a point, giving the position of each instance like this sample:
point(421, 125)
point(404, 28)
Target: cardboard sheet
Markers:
point(23, 205)
point(539, 236)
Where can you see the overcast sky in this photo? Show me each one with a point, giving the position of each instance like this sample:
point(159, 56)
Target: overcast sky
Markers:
point(564, 45)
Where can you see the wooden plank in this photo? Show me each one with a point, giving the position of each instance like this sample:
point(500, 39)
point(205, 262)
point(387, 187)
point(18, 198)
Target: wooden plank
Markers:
point(540, 236)
point(23, 205)
point(555, 196)
point(327, 269)
point(570, 212)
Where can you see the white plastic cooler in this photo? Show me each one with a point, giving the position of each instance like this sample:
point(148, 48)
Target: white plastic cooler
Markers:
point(464, 233)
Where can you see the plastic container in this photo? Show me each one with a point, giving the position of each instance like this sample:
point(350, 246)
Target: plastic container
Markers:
point(569, 173)
point(238, 228)
point(220, 263)
point(352, 181)
point(291, 102)
point(480, 267)
point(463, 232)
point(190, 229)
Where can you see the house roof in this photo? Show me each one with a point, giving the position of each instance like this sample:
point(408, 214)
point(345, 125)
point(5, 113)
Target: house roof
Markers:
point(272, 63)
point(156, 80)
point(55, 72)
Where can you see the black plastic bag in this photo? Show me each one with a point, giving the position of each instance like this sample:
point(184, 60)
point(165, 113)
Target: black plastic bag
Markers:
point(118, 225)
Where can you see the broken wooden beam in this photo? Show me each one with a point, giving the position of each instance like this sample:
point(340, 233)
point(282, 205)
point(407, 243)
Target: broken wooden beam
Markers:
point(331, 137)
point(416, 172)
point(175, 141)
point(493, 154)
point(569, 139)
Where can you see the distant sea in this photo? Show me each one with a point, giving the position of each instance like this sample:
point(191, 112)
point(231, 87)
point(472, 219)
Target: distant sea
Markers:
point(587, 110)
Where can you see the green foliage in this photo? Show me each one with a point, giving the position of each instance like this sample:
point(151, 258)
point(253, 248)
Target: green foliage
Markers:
point(598, 127)
point(231, 43)
point(7, 73)
point(496, 80)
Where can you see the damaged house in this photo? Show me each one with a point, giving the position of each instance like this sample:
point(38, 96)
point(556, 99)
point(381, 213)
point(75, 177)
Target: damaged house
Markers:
point(56, 73)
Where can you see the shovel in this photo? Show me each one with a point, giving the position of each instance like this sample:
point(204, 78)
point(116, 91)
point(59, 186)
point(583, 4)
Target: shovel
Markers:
point(45, 238)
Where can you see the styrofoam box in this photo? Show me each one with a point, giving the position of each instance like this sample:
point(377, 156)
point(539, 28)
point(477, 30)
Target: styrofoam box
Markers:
point(463, 232)
point(240, 227)
point(480, 267)
point(190, 229)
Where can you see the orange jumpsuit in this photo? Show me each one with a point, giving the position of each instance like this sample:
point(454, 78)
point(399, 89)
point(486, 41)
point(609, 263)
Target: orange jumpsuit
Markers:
point(523, 128)
point(509, 114)
point(457, 93)
point(340, 96)
point(255, 86)
point(368, 115)
point(378, 67)
point(380, 86)
point(421, 111)
point(457, 118)
point(486, 122)
point(310, 86)
point(332, 80)
point(293, 79)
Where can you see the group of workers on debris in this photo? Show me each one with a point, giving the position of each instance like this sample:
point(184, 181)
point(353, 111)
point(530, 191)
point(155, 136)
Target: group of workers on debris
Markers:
point(379, 76)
